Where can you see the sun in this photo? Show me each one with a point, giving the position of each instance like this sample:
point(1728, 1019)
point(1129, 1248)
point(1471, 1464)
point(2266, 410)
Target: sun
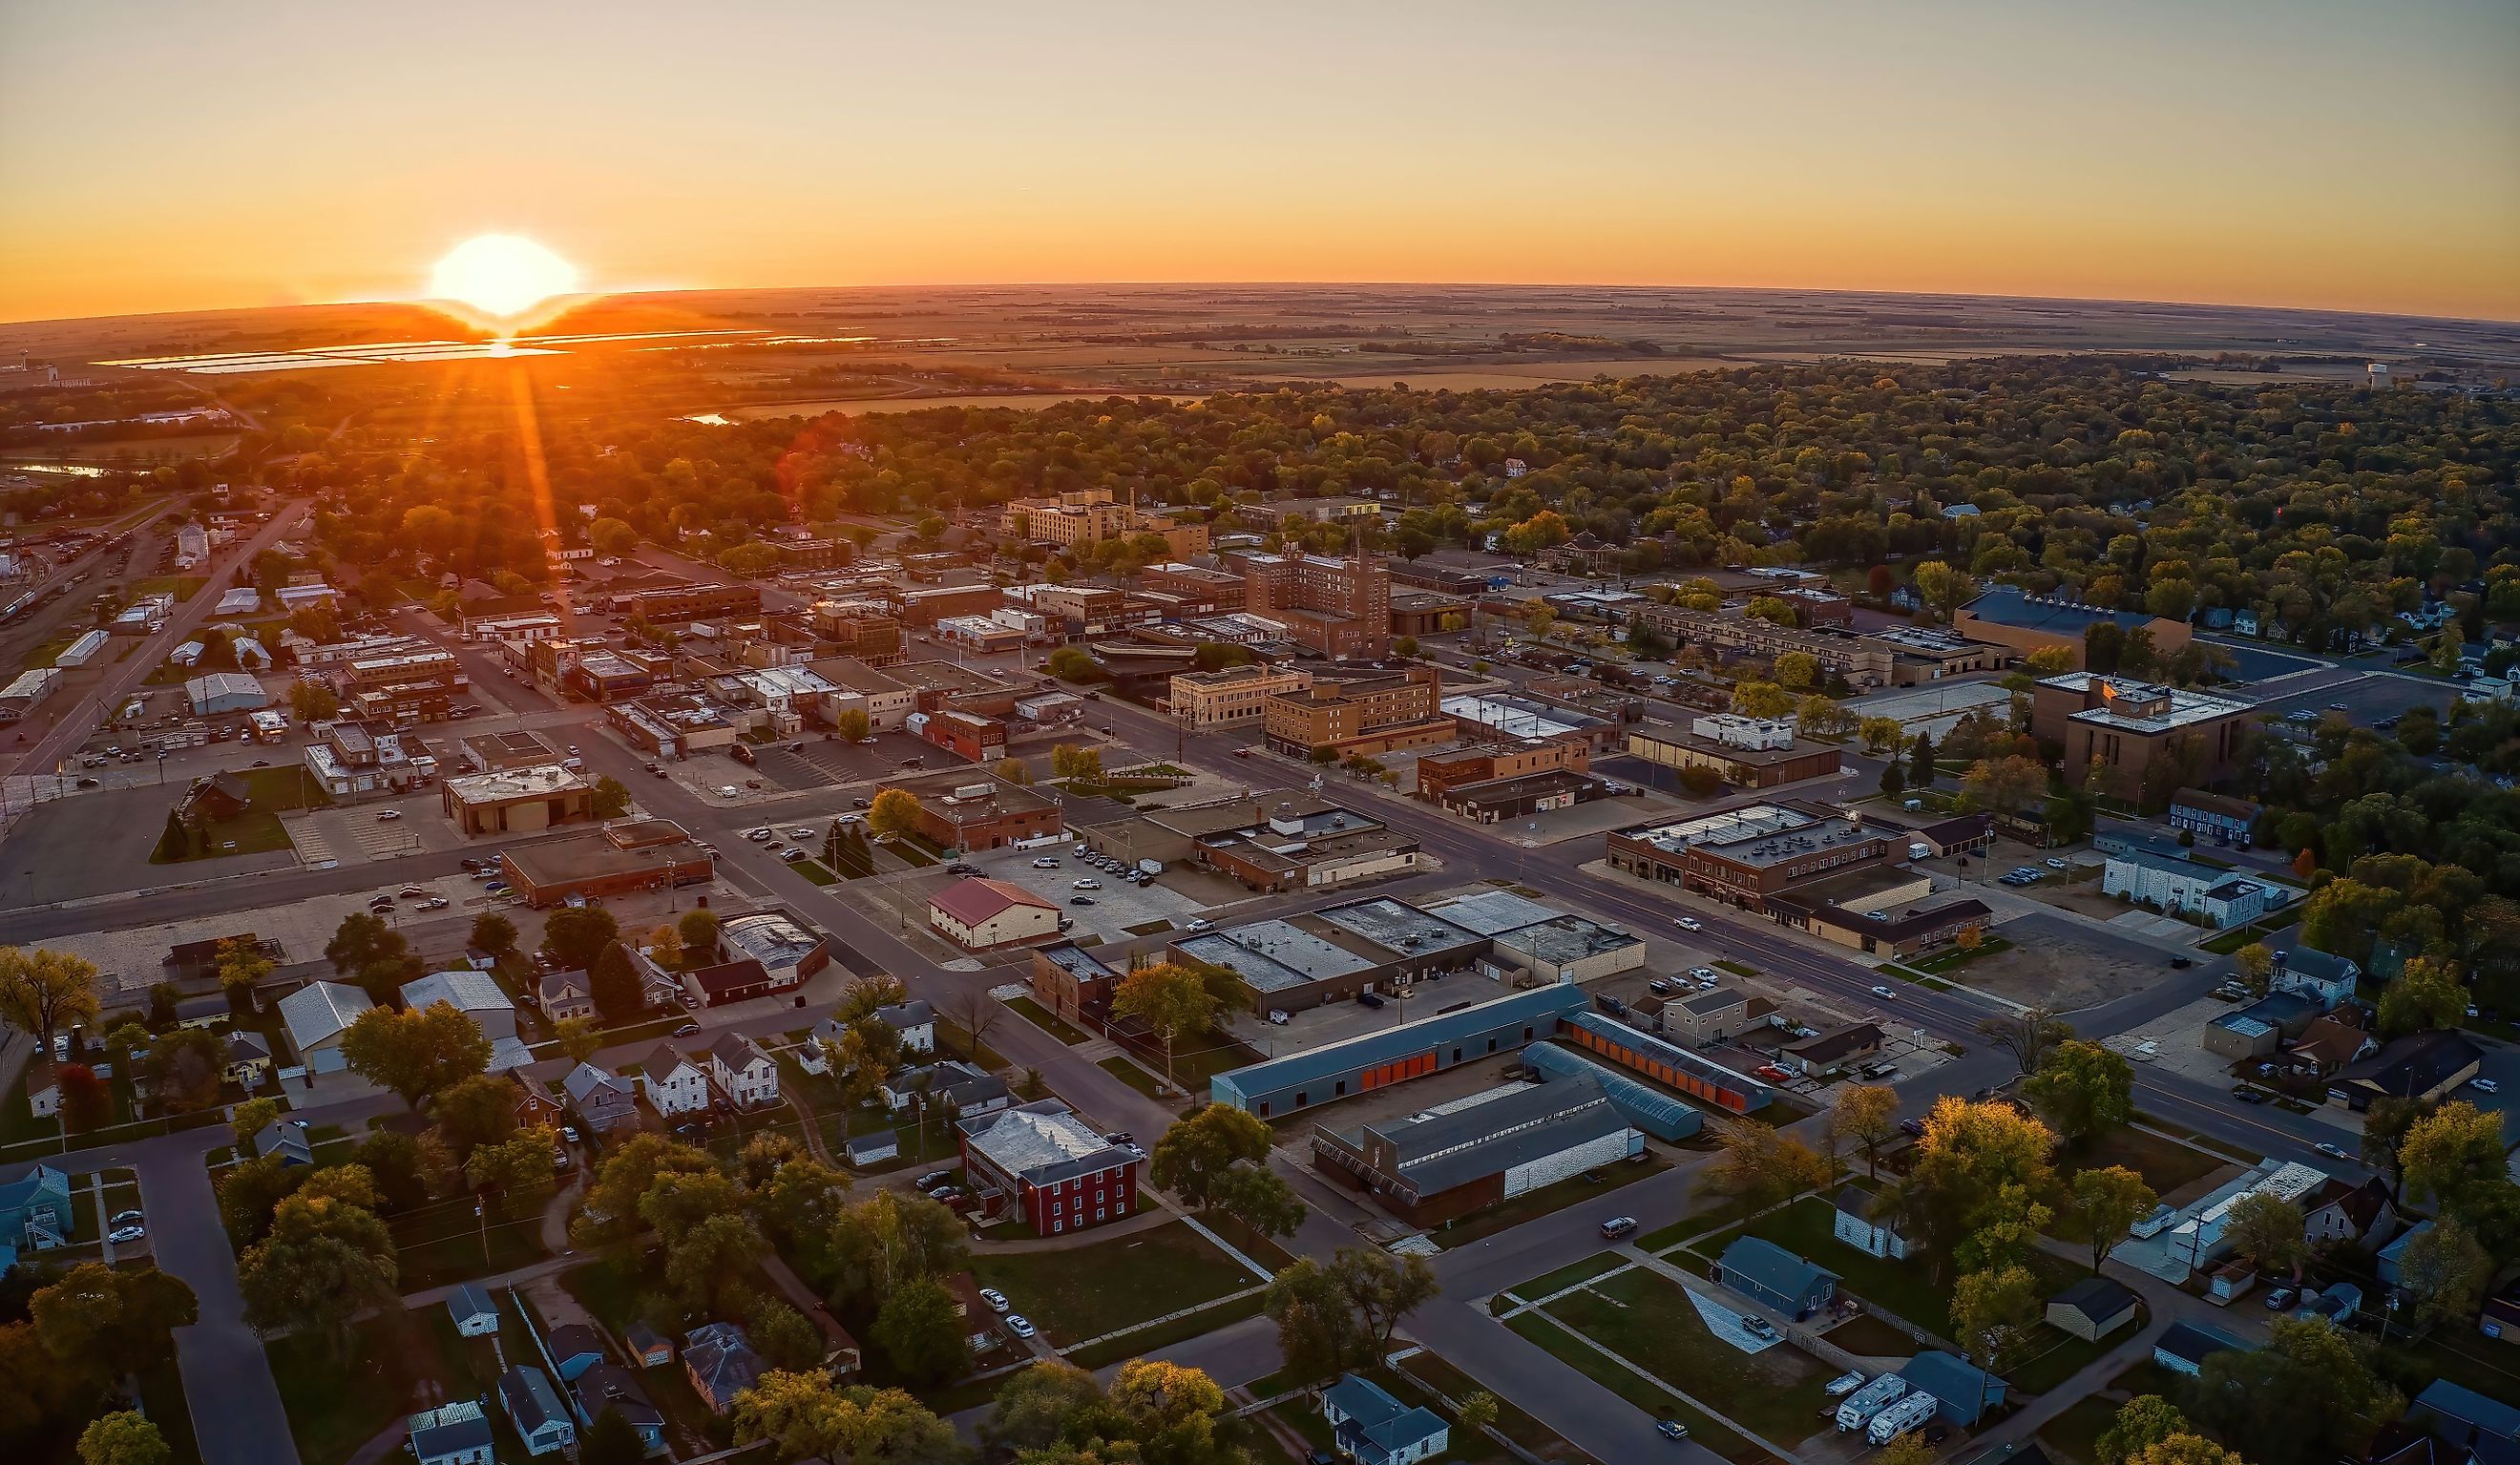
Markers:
point(501, 276)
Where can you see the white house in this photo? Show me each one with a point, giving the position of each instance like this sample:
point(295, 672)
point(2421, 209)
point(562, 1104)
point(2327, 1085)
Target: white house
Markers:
point(915, 1023)
point(675, 1085)
point(316, 1015)
point(743, 1072)
point(2314, 974)
point(456, 1434)
point(43, 1087)
point(533, 1407)
point(1854, 1224)
point(2176, 885)
point(476, 1314)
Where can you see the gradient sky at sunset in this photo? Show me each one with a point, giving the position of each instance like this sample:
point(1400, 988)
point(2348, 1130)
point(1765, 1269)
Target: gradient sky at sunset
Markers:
point(163, 156)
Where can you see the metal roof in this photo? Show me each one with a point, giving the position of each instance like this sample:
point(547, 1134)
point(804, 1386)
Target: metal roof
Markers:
point(1042, 1142)
point(1659, 1114)
point(1540, 1007)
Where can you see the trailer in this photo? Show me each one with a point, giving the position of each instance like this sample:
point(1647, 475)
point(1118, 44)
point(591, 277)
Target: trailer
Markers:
point(1871, 1399)
point(1910, 1412)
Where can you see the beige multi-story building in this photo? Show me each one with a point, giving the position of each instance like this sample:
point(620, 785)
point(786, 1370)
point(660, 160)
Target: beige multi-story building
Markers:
point(1338, 607)
point(1373, 715)
point(1232, 698)
point(1085, 515)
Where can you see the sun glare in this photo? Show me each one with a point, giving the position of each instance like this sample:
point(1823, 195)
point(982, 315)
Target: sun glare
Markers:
point(501, 276)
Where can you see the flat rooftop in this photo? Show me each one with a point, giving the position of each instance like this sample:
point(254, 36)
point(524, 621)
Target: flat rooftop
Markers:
point(1517, 717)
point(593, 856)
point(1567, 938)
point(940, 793)
point(1716, 747)
point(1490, 913)
point(534, 783)
point(2144, 706)
point(1274, 956)
point(1398, 928)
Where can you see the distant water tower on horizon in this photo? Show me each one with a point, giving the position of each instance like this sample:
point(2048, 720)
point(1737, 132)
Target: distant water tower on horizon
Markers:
point(2382, 376)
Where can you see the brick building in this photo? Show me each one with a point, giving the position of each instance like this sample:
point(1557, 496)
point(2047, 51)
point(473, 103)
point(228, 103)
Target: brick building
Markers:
point(1438, 774)
point(1236, 696)
point(1748, 752)
point(1746, 855)
point(2150, 741)
point(1367, 715)
point(622, 857)
point(1340, 608)
point(517, 801)
point(1198, 587)
point(1044, 1167)
point(674, 605)
point(1073, 983)
point(969, 810)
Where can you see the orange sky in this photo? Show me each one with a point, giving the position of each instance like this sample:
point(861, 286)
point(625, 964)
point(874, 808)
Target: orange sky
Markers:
point(159, 155)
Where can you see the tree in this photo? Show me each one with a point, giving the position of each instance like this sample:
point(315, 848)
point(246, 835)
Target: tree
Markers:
point(1477, 1411)
point(1074, 664)
point(709, 1258)
point(1201, 1147)
point(185, 1069)
point(475, 1111)
point(1797, 671)
point(242, 966)
point(665, 947)
point(124, 1437)
point(2109, 1202)
point(2267, 1229)
point(494, 933)
point(782, 1336)
point(2452, 1154)
point(1261, 1199)
point(2141, 1423)
point(852, 723)
point(1941, 587)
point(2257, 964)
point(1754, 698)
point(1867, 1114)
point(612, 1441)
point(611, 797)
point(86, 1104)
point(401, 1166)
point(1172, 1000)
point(1920, 762)
point(972, 1011)
point(104, 1323)
point(362, 939)
point(174, 842)
point(1994, 1310)
point(2027, 1034)
point(921, 1332)
point(323, 1263)
point(894, 814)
point(2445, 1272)
point(415, 1053)
point(312, 701)
point(889, 1239)
point(615, 986)
point(1317, 1332)
point(1909, 1448)
point(2425, 997)
point(44, 992)
point(805, 1415)
point(574, 936)
point(579, 1039)
point(1970, 1155)
point(2309, 1395)
point(250, 1119)
point(1879, 733)
point(1035, 1407)
point(248, 1192)
point(1382, 1289)
point(2084, 1090)
point(613, 1208)
point(1894, 780)
point(612, 537)
point(700, 930)
point(1760, 1166)
point(518, 1171)
point(2006, 785)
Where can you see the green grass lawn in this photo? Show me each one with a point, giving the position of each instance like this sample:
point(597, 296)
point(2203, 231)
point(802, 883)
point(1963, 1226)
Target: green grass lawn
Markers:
point(2064, 1356)
point(2075, 1434)
point(1144, 1341)
point(444, 1243)
point(1562, 1343)
point(181, 587)
point(336, 1406)
point(1519, 1427)
point(1648, 1320)
point(1575, 1190)
point(815, 870)
point(1047, 1021)
point(256, 831)
point(1081, 1294)
point(1130, 1074)
point(2165, 1163)
point(162, 1398)
point(1959, 957)
point(1735, 968)
point(1568, 1275)
point(288, 787)
point(1870, 1336)
point(1723, 1214)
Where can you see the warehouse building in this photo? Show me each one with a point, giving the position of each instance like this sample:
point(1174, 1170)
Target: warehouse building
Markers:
point(1660, 1114)
point(1436, 1166)
point(1745, 855)
point(210, 695)
point(1569, 949)
point(622, 857)
point(30, 688)
point(1283, 1085)
point(1751, 752)
point(519, 801)
point(1332, 955)
point(1664, 1063)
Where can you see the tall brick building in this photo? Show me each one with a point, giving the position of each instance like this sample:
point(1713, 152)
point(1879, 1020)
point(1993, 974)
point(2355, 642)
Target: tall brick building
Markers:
point(1338, 608)
point(1370, 715)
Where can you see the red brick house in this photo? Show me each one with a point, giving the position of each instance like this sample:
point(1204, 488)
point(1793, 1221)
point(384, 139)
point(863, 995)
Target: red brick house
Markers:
point(1047, 1168)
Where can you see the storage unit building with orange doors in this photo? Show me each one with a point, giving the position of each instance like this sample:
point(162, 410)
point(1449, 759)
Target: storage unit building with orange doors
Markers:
point(1406, 1050)
point(1707, 1083)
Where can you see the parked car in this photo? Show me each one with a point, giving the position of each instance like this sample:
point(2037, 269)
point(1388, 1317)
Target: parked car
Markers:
point(934, 1178)
point(1045, 862)
point(1020, 1326)
point(1671, 1429)
point(996, 1300)
point(2279, 1298)
point(2246, 1094)
point(1914, 1129)
point(125, 1235)
point(1661, 987)
point(1087, 884)
point(2485, 1086)
point(125, 1219)
point(688, 1030)
point(1369, 999)
point(1203, 924)
point(388, 816)
point(1706, 976)
point(1618, 1227)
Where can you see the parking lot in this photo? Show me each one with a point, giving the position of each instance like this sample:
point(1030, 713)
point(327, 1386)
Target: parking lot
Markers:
point(1118, 906)
point(817, 763)
point(2365, 697)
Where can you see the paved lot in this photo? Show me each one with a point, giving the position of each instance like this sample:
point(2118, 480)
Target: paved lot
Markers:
point(814, 763)
point(2366, 696)
point(1933, 709)
point(2065, 964)
point(1117, 907)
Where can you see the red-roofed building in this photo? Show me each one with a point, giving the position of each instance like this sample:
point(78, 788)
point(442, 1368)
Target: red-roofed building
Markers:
point(980, 914)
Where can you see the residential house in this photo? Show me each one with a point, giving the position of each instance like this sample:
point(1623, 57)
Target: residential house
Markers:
point(2390, 1262)
point(2093, 1309)
point(743, 1072)
point(2341, 1210)
point(610, 1388)
point(249, 1059)
point(2313, 973)
point(1963, 1393)
point(913, 1021)
point(474, 993)
point(953, 1086)
point(1855, 1224)
point(44, 1088)
point(535, 1105)
point(316, 1016)
point(35, 1212)
point(563, 995)
point(673, 1084)
point(476, 1313)
point(603, 1102)
point(1834, 1050)
point(2186, 1346)
point(2466, 1418)
point(2336, 1303)
point(2422, 1066)
point(2500, 1317)
point(286, 1139)
point(2327, 1046)
point(456, 1434)
point(534, 1410)
point(575, 1348)
point(1373, 1428)
point(648, 1349)
point(1708, 1016)
point(719, 1360)
point(1776, 1278)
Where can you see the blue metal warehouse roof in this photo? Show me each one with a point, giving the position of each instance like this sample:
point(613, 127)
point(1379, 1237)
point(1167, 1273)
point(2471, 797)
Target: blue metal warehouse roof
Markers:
point(1649, 1109)
point(1540, 1007)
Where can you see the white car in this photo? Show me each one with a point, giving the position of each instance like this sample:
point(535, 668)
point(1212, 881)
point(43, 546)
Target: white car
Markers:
point(729, 791)
point(1086, 885)
point(2055, 861)
point(1884, 993)
point(2485, 1086)
point(2331, 1150)
point(759, 836)
point(1691, 923)
point(125, 1235)
point(1201, 924)
point(800, 832)
point(1045, 862)
point(1020, 1326)
point(996, 1300)
point(388, 815)
point(1704, 975)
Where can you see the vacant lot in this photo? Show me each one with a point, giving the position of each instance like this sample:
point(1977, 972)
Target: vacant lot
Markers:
point(1648, 1320)
point(1081, 1294)
point(2062, 964)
